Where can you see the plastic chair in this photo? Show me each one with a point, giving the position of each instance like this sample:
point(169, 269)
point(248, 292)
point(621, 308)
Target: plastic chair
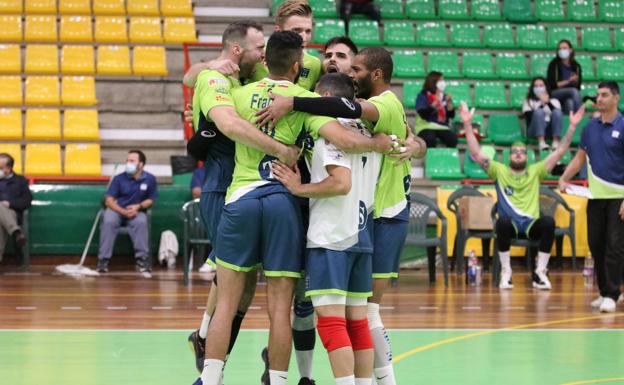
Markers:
point(410, 92)
point(490, 95)
point(420, 210)
point(11, 6)
point(581, 11)
point(485, 10)
point(539, 64)
point(42, 124)
point(113, 60)
point(399, 33)
point(472, 169)
point(556, 34)
point(176, 8)
point(10, 28)
point(460, 91)
point(40, 7)
point(10, 59)
point(549, 10)
point(431, 34)
point(611, 11)
point(77, 60)
point(576, 138)
point(40, 29)
point(498, 36)
point(111, 29)
point(453, 10)
point(194, 232)
point(443, 163)
point(149, 61)
point(43, 159)
point(518, 11)
point(532, 37)
point(78, 91)
point(15, 150)
point(76, 29)
point(610, 67)
point(466, 35)
point(420, 9)
point(83, 160)
point(549, 200)
point(478, 65)
point(41, 59)
point(596, 39)
point(587, 64)
point(179, 30)
point(504, 129)
point(517, 93)
point(445, 62)
point(142, 8)
point(42, 90)
point(364, 32)
point(326, 29)
point(619, 39)
point(408, 64)
point(11, 94)
point(81, 125)
point(511, 66)
point(10, 124)
point(324, 8)
point(145, 30)
point(109, 7)
point(75, 7)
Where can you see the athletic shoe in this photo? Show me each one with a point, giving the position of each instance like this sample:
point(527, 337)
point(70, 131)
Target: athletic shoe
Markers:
point(198, 346)
point(306, 381)
point(265, 379)
point(198, 382)
point(207, 268)
point(505, 280)
point(102, 266)
point(20, 238)
point(142, 266)
point(543, 146)
point(597, 302)
point(541, 281)
point(607, 305)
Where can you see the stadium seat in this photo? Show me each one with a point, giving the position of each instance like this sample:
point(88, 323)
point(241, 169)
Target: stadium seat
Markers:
point(324, 8)
point(42, 124)
point(11, 6)
point(460, 91)
point(445, 62)
point(611, 11)
point(83, 160)
point(10, 28)
point(11, 94)
point(539, 64)
point(472, 169)
point(113, 60)
point(517, 93)
point(583, 10)
point(40, 29)
point(364, 32)
point(176, 8)
point(587, 65)
point(504, 129)
point(453, 10)
point(42, 90)
point(399, 33)
point(77, 60)
point(408, 64)
point(142, 8)
point(10, 124)
point(432, 34)
point(43, 159)
point(549, 10)
point(326, 29)
point(485, 10)
point(78, 91)
point(10, 59)
point(619, 39)
point(576, 138)
point(390, 9)
point(532, 37)
point(75, 7)
point(511, 66)
point(76, 29)
point(443, 163)
point(149, 61)
point(111, 29)
point(518, 11)
point(588, 89)
point(15, 150)
point(530, 156)
point(41, 59)
point(556, 34)
point(145, 30)
point(81, 125)
point(490, 95)
point(610, 67)
point(498, 36)
point(466, 35)
point(596, 39)
point(478, 65)
point(180, 30)
point(39, 7)
point(420, 9)
point(109, 7)
point(411, 89)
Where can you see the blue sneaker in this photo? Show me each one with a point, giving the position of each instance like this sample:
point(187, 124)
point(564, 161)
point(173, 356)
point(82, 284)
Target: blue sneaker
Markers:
point(198, 382)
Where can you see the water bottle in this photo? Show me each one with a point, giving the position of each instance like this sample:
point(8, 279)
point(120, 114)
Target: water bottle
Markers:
point(471, 272)
point(588, 271)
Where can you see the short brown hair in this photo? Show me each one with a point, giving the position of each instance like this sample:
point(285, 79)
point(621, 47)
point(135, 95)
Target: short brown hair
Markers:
point(292, 8)
point(237, 31)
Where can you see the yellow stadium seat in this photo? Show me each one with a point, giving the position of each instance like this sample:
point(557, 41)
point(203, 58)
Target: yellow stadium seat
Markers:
point(41, 59)
point(75, 7)
point(110, 29)
point(83, 160)
point(10, 124)
point(180, 30)
point(15, 150)
point(10, 59)
point(43, 124)
point(176, 8)
point(43, 159)
point(76, 29)
point(36, 7)
point(77, 60)
point(81, 125)
point(109, 7)
point(40, 29)
point(11, 6)
point(10, 28)
point(142, 7)
point(113, 60)
point(11, 94)
point(42, 90)
point(145, 30)
point(149, 61)
point(78, 91)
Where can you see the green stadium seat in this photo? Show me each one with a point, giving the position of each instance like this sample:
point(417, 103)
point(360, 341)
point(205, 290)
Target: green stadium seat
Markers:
point(611, 11)
point(588, 89)
point(453, 10)
point(532, 37)
point(472, 169)
point(504, 129)
point(517, 93)
point(485, 10)
point(576, 138)
point(445, 62)
point(399, 33)
point(408, 64)
point(490, 95)
point(498, 36)
point(530, 155)
point(466, 35)
point(549, 10)
point(587, 65)
point(610, 67)
point(511, 66)
point(581, 10)
point(391, 9)
point(443, 163)
point(556, 34)
point(539, 64)
point(364, 32)
point(420, 9)
point(326, 29)
point(324, 8)
point(411, 89)
point(518, 11)
point(596, 39)
point(460, 91)
point(619, 39)
point(478, 65)
point(431, 34)
point(476, 120)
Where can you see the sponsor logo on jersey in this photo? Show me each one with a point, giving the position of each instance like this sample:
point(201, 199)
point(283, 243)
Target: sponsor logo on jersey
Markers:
point(509, 191)
point(208, 134)
point(363, 216)
point(213, 82)
point(220, 98)
point(305, 72)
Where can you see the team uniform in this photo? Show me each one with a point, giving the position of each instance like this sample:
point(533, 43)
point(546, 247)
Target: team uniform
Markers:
point(308, 75)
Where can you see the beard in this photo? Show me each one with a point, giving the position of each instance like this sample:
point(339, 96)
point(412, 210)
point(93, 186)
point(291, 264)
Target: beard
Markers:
point(246, 69)
point(363, 87)
point(517, 166)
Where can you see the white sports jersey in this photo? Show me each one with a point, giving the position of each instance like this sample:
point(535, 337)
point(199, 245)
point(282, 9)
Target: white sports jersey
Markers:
point(336, 222)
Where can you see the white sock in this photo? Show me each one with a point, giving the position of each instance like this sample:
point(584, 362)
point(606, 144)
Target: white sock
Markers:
point(203, 328)
point(277, 378)
point(304, 362)
point(363, 381)
point(213, 370)
point(385, 375)
point(374, 319)
point(542, 261)
point(348, 380)
point(505, 260)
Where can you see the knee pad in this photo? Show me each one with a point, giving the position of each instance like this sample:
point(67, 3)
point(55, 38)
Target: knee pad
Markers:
point(333, 333)
point(303, 308)
point(359, 334)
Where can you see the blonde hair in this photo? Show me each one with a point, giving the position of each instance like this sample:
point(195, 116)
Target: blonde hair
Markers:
point(292, 8)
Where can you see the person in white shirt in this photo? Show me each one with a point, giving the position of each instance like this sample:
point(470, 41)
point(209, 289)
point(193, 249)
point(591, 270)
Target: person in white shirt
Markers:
point(542, 113)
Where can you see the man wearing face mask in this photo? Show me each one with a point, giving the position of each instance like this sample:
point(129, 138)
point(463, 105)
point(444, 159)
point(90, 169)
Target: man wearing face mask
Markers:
point(129, 195)
point(15, 197)
point(435, 111)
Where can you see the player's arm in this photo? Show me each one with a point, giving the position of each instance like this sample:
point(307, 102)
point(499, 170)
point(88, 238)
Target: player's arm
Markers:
point(353, 142)
point(338, 182)
point(473, 144)
point(224, 66)
point(555, 156)
point(573, 168)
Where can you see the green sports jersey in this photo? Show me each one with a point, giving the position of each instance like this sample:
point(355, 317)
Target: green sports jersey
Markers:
point(394, 181)
point(252, 169)
point(309, 74)
point(212, 89)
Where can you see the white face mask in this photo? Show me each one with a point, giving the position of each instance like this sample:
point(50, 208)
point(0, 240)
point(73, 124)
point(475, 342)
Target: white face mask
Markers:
point(441, 85)
point(539, 90)
point(131, 168)
point(564, 53)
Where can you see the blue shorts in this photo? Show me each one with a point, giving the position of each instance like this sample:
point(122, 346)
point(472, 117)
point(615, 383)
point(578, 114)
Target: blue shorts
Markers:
point(266, 230)
point(389, 239)
point(338, 272)
point(211, 207)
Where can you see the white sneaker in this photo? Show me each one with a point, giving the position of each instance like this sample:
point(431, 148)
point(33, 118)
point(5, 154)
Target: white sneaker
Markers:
point(555, 144)
point(541, 281)
point(597, 302)
point(207, 268)
point(607, 306)
point(543, 146)
point(505, 280)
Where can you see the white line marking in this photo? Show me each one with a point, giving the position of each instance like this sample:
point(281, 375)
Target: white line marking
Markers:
point(26, 308)
point(471, 307)
point(71, 308)
point(428, 307)
point(266, 330)
point(255, 307)
point(161, 308)
point(386, 307)
point(116, 308)
point(201, 307)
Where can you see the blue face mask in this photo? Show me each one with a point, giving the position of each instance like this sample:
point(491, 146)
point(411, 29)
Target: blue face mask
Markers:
point(131, 168)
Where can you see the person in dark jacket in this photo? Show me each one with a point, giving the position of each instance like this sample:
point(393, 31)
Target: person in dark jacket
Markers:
point(15, 197)
point(364, 7)
point(435, 110)
point(564, 77)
